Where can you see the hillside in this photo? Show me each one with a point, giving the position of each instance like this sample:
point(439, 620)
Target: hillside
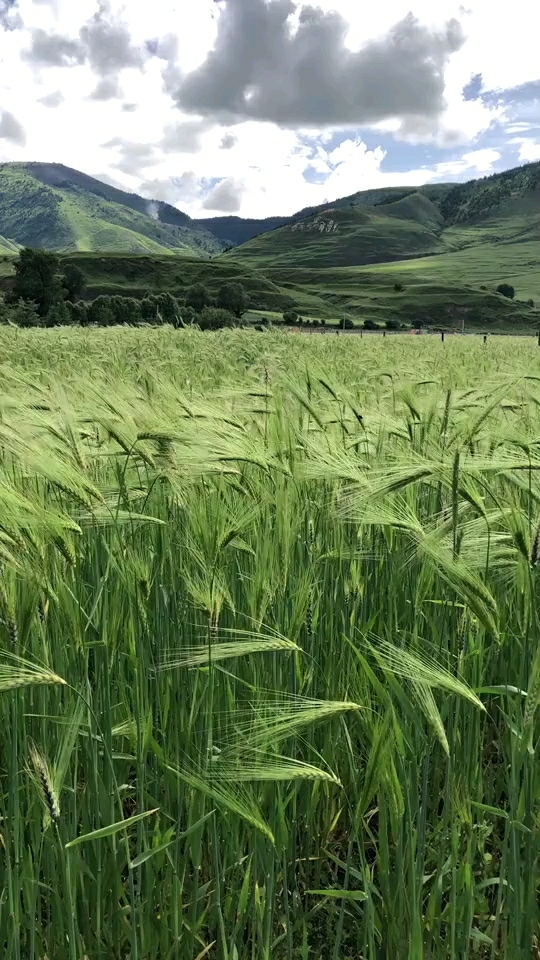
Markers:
point(52, 206)
point(236, 230)
point(346, 236)
point(440, 220)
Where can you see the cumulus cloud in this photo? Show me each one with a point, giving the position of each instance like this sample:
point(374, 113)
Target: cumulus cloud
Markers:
point(133, 157)
point(184, 137)
point(260, 68)
point(226, 196)
point(107, 89)
point(9, 15)
point(12, 130)
point(104, 43)
point(107, 42)
point(228, 141)
point(54, 99)
point(54, 50)
point(172, 190)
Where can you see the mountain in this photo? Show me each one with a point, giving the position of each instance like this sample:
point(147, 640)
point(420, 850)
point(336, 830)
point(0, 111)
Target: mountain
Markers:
point(236, 230)
point(52, 206)
point(375, 227)
point(351, 235)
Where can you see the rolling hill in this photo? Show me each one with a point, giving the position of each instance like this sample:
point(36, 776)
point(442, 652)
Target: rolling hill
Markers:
point(367, 228)
point(434, 253)
point(55, 207)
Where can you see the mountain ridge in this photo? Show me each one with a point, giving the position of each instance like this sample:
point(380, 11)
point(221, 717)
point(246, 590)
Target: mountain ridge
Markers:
point(57, 207)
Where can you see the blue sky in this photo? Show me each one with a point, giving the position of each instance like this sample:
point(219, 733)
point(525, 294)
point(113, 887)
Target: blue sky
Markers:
point(262, 107)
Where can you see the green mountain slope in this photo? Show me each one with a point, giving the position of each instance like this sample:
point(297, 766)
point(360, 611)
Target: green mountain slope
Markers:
point(345, 236)
point(409, 224)
point(236, 230)
point(51, 206)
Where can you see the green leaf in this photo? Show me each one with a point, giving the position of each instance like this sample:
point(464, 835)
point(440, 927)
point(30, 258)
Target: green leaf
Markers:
point(339, 894)
point(111, 829)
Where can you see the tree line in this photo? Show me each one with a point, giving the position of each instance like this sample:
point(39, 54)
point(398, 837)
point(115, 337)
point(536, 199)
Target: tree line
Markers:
point(45, 294)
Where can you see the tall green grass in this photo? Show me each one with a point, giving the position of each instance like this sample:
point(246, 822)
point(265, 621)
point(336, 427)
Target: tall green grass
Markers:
point(269, 650)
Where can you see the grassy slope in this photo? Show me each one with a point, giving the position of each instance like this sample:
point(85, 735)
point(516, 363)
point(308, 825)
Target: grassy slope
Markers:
point(135, 276)
point(46, 206)
point(449, 249)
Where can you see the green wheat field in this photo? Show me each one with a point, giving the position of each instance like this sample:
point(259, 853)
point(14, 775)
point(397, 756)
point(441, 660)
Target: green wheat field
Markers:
point(269, 646)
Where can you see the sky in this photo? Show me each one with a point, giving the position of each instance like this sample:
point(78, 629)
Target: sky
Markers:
point(258, 108)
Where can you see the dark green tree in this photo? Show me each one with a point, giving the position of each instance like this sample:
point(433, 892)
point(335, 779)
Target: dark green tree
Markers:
point(233, 297)
point(100, 312)
point(73, 282)
point(168, 308)
point(25, 314)
point(79, 313)
point(58, 315)
point(198, 297)
point(215, 318)
point(507, 290)
point(37, 280)
point(150, 309)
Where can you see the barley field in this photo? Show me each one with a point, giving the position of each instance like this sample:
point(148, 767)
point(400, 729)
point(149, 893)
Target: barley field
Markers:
point(269, 646)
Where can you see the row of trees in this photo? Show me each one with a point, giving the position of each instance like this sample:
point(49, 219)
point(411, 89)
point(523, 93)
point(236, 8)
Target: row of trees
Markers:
point(45, 294)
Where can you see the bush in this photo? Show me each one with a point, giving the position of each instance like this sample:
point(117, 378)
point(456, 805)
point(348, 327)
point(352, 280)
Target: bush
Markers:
point(507, 290)
point(530, 303)
point(290, 316)
point(370, 325)
point(215, 318)
point(399, 288)
point(347, 324)
point(393, 325)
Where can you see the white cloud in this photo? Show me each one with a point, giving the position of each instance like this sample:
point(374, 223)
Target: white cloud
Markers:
point(529, 150)
point(144, 139)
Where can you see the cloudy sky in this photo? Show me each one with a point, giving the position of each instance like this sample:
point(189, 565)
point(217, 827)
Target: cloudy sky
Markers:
point(262, 107)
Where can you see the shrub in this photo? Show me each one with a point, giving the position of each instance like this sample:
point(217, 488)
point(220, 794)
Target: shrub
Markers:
point(530, 303)
point(370, 325)
point(290, 316)
point(347, 324)
point(507, 290)
point(399, 288)
point(392, 325)
point(215, 318)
